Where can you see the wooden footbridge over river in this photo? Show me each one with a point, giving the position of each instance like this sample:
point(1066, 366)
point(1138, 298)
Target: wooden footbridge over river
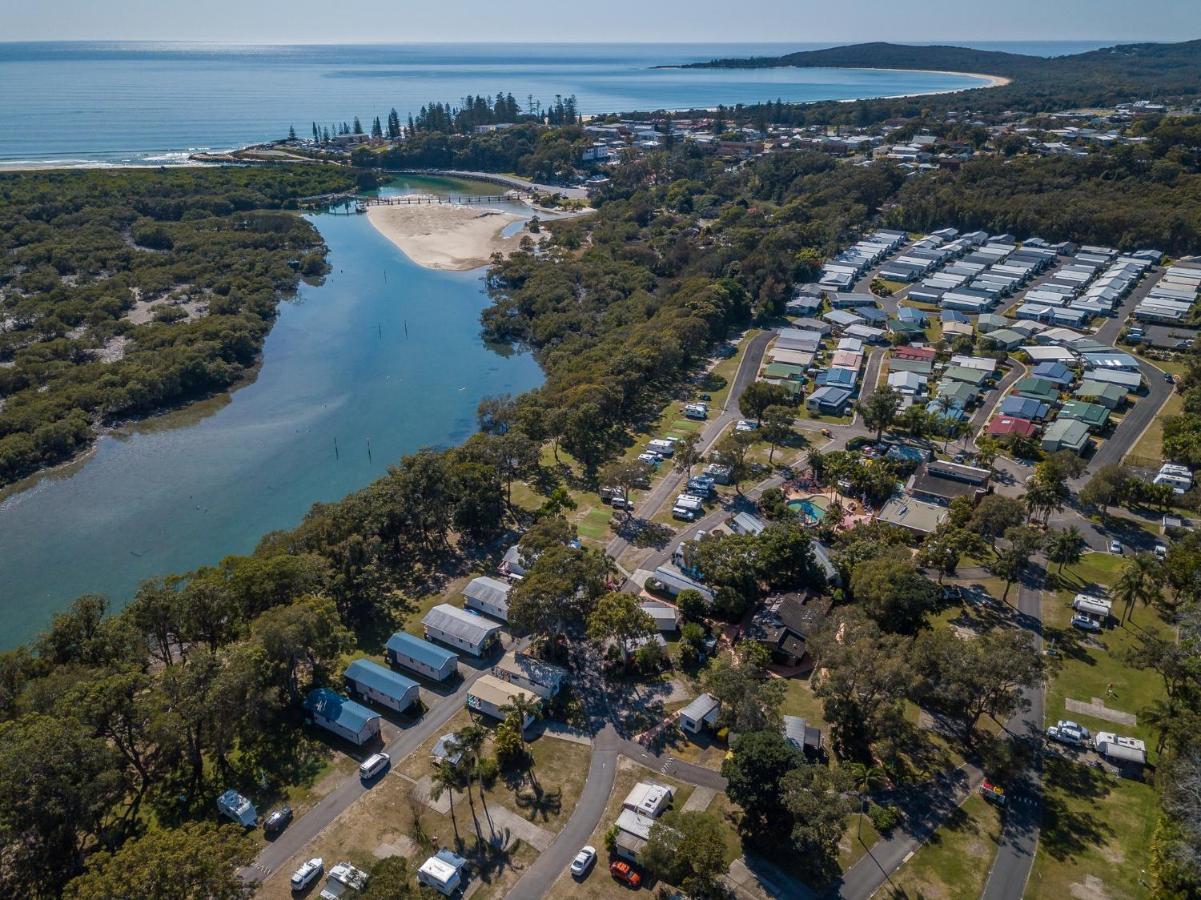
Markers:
point(362, 203)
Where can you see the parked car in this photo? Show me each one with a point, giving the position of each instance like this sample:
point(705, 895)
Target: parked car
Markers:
point(374, 765)
point(704, 397)
point(621, 503)
point(307, 873)
point(1115, 547)
point(826, 432)
point(277, 820)
point(745, 425)
point(1068, 732)
point(1085, 622)
point(651, 459)
point(1161, 551)
point(625, 873)
point(583, 861)
point(993, 793)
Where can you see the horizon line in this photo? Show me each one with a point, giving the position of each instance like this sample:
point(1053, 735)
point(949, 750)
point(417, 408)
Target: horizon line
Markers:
point(385, 43)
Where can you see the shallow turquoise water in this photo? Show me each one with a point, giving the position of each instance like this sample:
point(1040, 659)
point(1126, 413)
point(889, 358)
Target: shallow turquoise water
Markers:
point(337, 366)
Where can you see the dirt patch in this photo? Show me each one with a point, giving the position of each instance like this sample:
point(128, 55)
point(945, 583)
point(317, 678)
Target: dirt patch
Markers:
point(113, 349)
point(1093, 888)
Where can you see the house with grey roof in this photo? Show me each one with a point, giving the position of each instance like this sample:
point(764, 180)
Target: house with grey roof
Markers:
point(489, 596)
point(461, 629)
point(410, 652)
point(1065, 434)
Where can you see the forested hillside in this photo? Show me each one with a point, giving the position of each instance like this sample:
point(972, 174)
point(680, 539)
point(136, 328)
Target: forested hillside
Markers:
point(125, 292)
point(1124, 199)
point(1099, 77)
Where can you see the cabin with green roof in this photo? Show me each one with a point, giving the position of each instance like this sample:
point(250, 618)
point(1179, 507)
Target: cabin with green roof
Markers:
point(1037, 388)
point(1111, 396)
point(1094, 415)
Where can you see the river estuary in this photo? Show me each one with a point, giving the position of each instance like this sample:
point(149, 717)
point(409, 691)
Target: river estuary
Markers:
point(383, 358)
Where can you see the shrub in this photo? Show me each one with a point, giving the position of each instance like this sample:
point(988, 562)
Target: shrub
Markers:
point(884, 818)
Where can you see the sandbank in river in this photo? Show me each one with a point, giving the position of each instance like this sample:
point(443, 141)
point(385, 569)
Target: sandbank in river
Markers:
point(448, 236)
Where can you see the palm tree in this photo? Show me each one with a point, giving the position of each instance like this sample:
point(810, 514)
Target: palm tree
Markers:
point(1162, 717)
point(523, 707)
point(465, 767)
point(1065, 547)
point(1137, 583)
point(445, 780)
point(863, 779)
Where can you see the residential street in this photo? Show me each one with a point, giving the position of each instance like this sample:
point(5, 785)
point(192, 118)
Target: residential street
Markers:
point(1023, 814)
point(748, 369)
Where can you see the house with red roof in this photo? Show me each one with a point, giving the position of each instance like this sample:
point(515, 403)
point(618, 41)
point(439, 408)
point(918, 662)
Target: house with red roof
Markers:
point(925, 354)
point(1004, 426)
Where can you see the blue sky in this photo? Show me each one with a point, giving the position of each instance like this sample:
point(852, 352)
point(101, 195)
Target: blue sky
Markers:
point(320, 21)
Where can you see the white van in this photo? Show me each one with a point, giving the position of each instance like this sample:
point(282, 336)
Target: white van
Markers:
point(375, 764)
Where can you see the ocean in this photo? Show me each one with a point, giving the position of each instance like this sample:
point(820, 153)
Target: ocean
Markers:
point(71, 104)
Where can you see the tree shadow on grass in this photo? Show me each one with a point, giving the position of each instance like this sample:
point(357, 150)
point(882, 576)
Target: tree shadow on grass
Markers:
point(1069, 829)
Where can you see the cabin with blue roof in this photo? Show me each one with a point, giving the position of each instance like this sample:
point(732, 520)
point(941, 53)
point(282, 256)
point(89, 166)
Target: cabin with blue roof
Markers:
point(1056, 373)
point(1024, 408)
point(411, 652)
point(342, 716)
point(380, 685)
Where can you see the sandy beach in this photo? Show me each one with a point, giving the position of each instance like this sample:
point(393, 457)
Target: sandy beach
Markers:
point(447, 236)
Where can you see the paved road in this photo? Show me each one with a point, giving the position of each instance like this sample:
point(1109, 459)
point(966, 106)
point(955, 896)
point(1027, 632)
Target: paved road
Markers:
point(312, 823)
point(607, 745)
point(748, 369)
point(925, 808)
point(1019, 832)
point(551, 862)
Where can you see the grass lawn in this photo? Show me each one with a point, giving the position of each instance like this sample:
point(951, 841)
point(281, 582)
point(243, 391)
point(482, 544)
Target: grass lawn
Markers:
point(1093, 666)
point(1148, 452)
point(801, 701)
point(1096, 828)
point(1096, 834)
point(955, 861)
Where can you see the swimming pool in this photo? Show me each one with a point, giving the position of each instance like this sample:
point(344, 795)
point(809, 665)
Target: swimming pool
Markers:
point(808, 509)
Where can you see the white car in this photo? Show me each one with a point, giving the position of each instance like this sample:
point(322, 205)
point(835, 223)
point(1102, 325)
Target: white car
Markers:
point(745, 425)
point(307, 873)
point(1115, 547)
point(1068, 732)
point(583, 861)
point(1161, 551)
point(1085, 622)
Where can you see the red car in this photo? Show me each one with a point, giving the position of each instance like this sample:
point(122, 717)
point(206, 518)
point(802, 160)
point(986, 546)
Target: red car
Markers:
point(625, 873)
